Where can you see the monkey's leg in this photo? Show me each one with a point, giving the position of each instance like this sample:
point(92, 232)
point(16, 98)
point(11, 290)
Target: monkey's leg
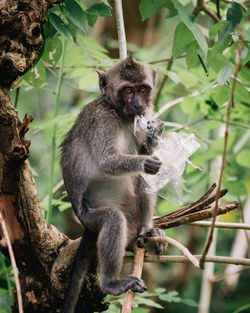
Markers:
point(147, 203)
point(111, 244)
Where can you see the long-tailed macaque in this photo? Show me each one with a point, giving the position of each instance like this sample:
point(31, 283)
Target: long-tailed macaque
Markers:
point(102, 162)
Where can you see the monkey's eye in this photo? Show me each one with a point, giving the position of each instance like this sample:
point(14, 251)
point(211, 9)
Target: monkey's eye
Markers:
point(128, 90)
point(142, 89)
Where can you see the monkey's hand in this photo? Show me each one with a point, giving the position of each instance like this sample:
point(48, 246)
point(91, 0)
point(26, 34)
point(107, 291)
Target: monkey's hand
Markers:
point(152, 165)
point(154, 130)
point(152, 232)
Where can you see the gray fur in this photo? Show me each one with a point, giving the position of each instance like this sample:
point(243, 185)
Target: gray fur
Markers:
point(101, 163)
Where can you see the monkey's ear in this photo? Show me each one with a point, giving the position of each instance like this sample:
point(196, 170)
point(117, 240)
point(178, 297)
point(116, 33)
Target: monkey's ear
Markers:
point(155, 75)
point(102, 81)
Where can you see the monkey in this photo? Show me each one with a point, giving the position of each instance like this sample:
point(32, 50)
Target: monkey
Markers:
point(102, 162)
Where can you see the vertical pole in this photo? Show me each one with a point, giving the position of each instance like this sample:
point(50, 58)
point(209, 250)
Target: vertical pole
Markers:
point(120, 29)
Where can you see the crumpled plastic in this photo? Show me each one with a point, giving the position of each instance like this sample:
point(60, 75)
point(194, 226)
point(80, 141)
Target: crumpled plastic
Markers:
point(174, 150)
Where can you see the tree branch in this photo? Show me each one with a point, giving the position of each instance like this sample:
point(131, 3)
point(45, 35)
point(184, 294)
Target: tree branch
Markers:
point(120, 29)
point(230, 104)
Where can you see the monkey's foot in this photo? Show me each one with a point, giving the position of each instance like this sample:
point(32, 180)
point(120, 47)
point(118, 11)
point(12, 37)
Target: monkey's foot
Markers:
point(152, 232)
point(116, 287)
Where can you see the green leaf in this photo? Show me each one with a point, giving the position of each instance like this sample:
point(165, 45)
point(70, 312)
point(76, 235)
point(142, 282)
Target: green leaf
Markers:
point(183, 36)
point(216, 28)
point(225, 32)
point(60, 26)
point(62, 119)
point(234, 14)
point(189, 302)
point(225, 73)
point(160, 290)
point(99, 9)
point(172, 10)
point(220, 94)
point(192, 58)
point(92, 19)
point(171, 296)
point(75, 14)
point(149, 302)
point(189, 106)
point(187, 18)
point(150, 8)
point(36, 76)
point(140, 310)
point(107, 3)
point(52, 50)
point(216, 61)
point(247, 12)
point(241, 94)
point(243, 308)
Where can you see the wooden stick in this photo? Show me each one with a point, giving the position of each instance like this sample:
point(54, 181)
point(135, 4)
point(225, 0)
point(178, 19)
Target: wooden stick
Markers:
point(179, 246)
point(151, 258)
point(130, 295)
point(120, 29)
point(13, 262)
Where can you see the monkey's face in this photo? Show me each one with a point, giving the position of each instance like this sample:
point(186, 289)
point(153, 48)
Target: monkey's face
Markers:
point(134, 98)
point(128, 86)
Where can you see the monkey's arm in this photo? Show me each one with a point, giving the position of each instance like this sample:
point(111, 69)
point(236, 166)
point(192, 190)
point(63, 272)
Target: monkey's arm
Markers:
point(109, 154)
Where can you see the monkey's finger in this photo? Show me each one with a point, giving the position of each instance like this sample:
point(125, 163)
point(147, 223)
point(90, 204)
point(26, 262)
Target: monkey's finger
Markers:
point(159, 248)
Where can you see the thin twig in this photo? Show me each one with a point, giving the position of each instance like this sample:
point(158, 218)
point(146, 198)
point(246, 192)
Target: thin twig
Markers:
point(221, 225)
point(201, 6)
point(224, 160)
point(151, 258)
point(179, 246)
point(120, 29)
point(13, 262)
point(243, 6)
point(130, 295)
point(218, 8)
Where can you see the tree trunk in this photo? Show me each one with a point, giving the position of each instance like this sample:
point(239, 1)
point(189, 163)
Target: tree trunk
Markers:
point(44, 256)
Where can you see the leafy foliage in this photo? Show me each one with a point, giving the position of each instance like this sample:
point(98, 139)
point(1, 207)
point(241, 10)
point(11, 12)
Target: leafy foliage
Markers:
point(199, 84)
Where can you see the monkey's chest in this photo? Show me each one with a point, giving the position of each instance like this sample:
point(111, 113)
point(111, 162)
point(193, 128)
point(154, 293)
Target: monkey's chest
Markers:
point(116, 192)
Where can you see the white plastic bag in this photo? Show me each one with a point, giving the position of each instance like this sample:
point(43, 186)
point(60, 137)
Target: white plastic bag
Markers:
point(174, 150)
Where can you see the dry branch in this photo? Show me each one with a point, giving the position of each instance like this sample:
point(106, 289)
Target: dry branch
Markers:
point(196, 211)
point(130, 295)
point(179, 246)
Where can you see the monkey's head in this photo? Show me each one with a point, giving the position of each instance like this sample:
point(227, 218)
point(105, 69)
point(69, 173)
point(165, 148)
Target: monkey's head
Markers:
point(128, 87)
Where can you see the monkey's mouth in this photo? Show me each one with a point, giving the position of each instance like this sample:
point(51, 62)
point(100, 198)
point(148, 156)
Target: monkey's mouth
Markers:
point(133, 111)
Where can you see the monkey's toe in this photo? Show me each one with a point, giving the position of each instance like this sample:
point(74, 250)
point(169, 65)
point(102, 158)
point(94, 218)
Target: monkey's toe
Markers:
point(152, 232)
point(135, 284)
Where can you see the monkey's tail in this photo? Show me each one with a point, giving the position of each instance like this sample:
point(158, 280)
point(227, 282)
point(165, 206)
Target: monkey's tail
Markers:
point(84, 255)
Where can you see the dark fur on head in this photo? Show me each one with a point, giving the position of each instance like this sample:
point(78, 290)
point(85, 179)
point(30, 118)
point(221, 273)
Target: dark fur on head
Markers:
point(131, 70)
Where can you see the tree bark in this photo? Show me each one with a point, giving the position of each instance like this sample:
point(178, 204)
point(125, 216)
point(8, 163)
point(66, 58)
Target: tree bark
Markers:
point(44, 256)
